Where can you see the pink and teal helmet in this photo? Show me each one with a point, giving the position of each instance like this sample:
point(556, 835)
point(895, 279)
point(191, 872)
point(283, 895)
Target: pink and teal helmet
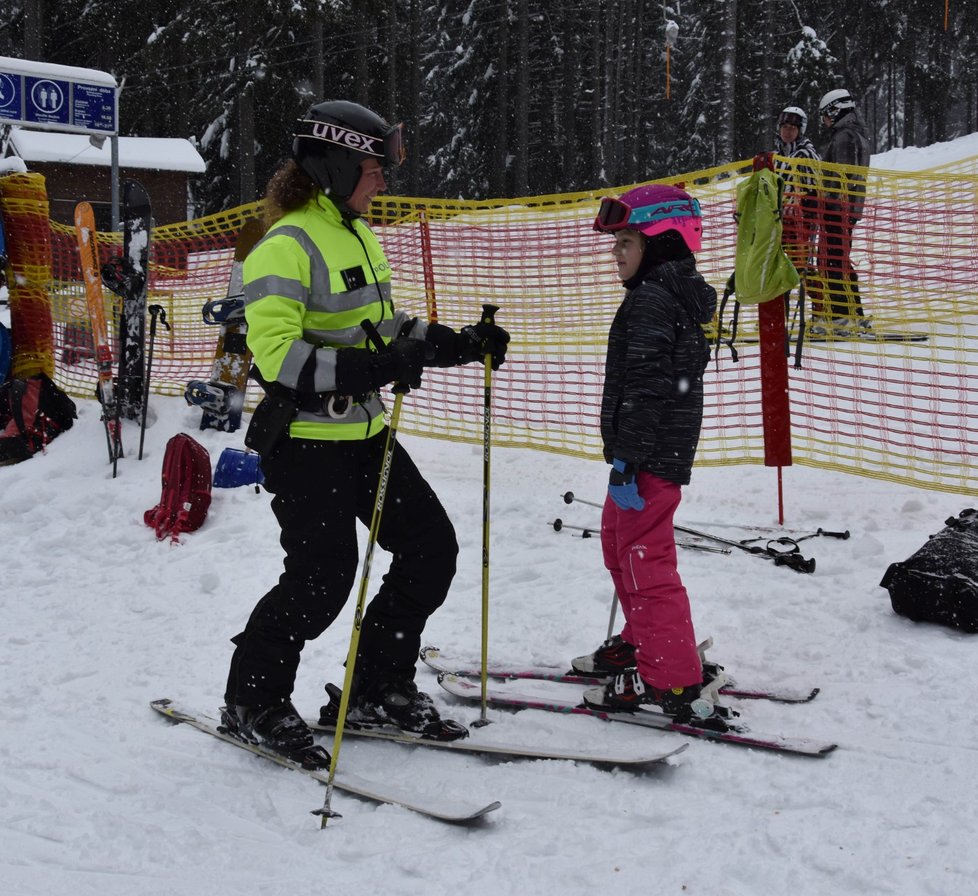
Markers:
point(653, 210)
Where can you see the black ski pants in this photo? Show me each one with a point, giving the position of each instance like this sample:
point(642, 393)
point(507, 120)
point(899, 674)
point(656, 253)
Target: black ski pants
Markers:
point(320, 490)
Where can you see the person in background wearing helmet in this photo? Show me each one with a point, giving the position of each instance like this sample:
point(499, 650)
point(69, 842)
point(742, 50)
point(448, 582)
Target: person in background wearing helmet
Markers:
point(651, 411)
point(800, 206)
point(842, 311)
point(317, 301)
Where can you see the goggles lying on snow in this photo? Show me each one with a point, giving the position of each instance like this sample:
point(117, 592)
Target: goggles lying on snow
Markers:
point(613, 214)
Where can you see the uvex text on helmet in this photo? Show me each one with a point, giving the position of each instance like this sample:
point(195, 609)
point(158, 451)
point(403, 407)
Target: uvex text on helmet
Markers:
point(333, 138)
point(834, 102)
point(794, 115)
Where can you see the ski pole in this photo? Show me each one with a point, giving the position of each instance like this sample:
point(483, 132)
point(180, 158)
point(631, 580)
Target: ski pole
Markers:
point(797, 534)
point(791, 558)
point(614, 610)
point(559, 524)
point(351, 658)
point(824, 534)
point(154, 312)
point(569, 498)
point(488, 317)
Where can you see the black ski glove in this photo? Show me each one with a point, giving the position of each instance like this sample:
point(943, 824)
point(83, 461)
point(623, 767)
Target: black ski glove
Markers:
point(407, 357)
point(481, 339)
point(360, 371)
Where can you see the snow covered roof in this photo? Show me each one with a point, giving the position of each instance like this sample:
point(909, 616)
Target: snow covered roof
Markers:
point(153, 153)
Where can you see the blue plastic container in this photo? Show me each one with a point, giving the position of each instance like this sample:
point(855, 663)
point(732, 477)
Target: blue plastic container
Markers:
point(236, 467)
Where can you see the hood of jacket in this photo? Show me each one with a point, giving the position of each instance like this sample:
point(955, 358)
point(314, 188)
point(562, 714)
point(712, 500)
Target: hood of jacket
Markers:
point(682, 279)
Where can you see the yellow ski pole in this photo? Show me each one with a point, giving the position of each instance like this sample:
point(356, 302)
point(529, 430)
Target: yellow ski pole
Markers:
point(488, 317)
point(385, 469)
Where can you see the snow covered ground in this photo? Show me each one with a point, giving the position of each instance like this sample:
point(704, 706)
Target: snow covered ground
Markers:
point(99, 795)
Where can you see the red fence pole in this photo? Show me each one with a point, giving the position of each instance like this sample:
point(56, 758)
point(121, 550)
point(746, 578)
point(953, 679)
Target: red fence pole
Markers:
point(427, 266)
point(775, 407)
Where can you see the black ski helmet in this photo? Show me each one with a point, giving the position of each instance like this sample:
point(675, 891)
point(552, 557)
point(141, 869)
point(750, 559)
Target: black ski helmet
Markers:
point(333, 137)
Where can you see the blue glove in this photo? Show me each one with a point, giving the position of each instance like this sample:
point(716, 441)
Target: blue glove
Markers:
point(622, 486)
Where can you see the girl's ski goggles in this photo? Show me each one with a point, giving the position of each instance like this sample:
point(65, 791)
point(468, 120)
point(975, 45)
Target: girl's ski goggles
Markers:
point(613, 214)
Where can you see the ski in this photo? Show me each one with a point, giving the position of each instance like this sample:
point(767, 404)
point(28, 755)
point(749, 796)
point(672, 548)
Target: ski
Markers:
point(128, 277)
point(868, 337)
point(633, 761)
point(222, 397)
point(441, 809)
point(88, 256)
point(562, 697)
point(441, 662)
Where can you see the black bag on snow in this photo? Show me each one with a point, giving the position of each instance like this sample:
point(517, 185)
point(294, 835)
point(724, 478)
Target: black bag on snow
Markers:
point(33, 412)
point(939, 583)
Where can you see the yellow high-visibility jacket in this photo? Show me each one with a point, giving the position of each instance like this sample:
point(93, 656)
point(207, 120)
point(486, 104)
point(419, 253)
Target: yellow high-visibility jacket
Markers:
point(308, 284)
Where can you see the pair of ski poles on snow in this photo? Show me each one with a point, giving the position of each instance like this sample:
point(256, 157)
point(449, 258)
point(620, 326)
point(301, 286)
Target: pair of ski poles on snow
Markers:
point(782, 550)
point(559, 525)
point(488, 314)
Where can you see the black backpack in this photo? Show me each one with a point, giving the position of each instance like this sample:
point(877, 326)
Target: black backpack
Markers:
point(939, 583)
point(32, 413)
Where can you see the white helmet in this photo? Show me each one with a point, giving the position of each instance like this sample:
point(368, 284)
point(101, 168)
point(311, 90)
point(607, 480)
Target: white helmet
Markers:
point(834, 102)
point(793, 115)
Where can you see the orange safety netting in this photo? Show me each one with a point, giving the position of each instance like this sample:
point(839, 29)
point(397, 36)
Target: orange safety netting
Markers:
point(893, 410)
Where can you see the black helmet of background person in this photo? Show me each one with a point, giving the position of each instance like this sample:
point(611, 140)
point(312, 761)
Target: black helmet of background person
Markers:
point(333, 138)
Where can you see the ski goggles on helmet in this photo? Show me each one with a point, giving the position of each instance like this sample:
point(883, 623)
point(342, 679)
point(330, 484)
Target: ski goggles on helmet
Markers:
point(388, 148)
point(792, 118)
point(613, 214)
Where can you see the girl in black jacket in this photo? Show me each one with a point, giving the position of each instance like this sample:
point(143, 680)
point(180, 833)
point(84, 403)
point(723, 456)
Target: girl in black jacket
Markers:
point(651, 411)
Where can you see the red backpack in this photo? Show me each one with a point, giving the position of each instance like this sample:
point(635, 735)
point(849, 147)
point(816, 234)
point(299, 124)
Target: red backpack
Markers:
point(186, 489)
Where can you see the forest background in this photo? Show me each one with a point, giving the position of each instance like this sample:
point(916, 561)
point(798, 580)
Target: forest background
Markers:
point(504, 98)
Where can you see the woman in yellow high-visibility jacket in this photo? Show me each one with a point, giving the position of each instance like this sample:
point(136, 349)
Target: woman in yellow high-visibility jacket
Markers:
point(316, 276)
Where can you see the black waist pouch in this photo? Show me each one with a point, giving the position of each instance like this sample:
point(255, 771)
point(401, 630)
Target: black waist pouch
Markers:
point(270, 423)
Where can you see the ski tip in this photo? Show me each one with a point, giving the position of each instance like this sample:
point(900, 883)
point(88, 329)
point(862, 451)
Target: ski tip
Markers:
point(429, 653)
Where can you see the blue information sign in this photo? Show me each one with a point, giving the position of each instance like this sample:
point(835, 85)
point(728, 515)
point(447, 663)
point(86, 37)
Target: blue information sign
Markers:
point(57, 97)
point(11, 96)
point(47, 101)
point(93, 106)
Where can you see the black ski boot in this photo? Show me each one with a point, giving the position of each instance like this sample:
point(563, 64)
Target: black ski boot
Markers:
point(278, 728)
point(395, 702)
point(629, 692)
point(611, 658)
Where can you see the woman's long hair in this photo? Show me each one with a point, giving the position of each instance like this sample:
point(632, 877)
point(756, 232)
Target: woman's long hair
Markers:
point(289, 188)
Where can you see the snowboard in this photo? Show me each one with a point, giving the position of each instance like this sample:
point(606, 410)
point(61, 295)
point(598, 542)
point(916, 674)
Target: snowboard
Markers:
point(127, 276)
point(222, 397)
point(88, 257)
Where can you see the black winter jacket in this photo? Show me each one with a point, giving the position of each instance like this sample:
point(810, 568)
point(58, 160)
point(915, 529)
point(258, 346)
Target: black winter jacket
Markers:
point(848, 145)
point(652, 405)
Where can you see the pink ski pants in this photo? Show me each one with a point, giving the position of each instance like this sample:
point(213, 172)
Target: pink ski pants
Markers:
point(640, 553)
